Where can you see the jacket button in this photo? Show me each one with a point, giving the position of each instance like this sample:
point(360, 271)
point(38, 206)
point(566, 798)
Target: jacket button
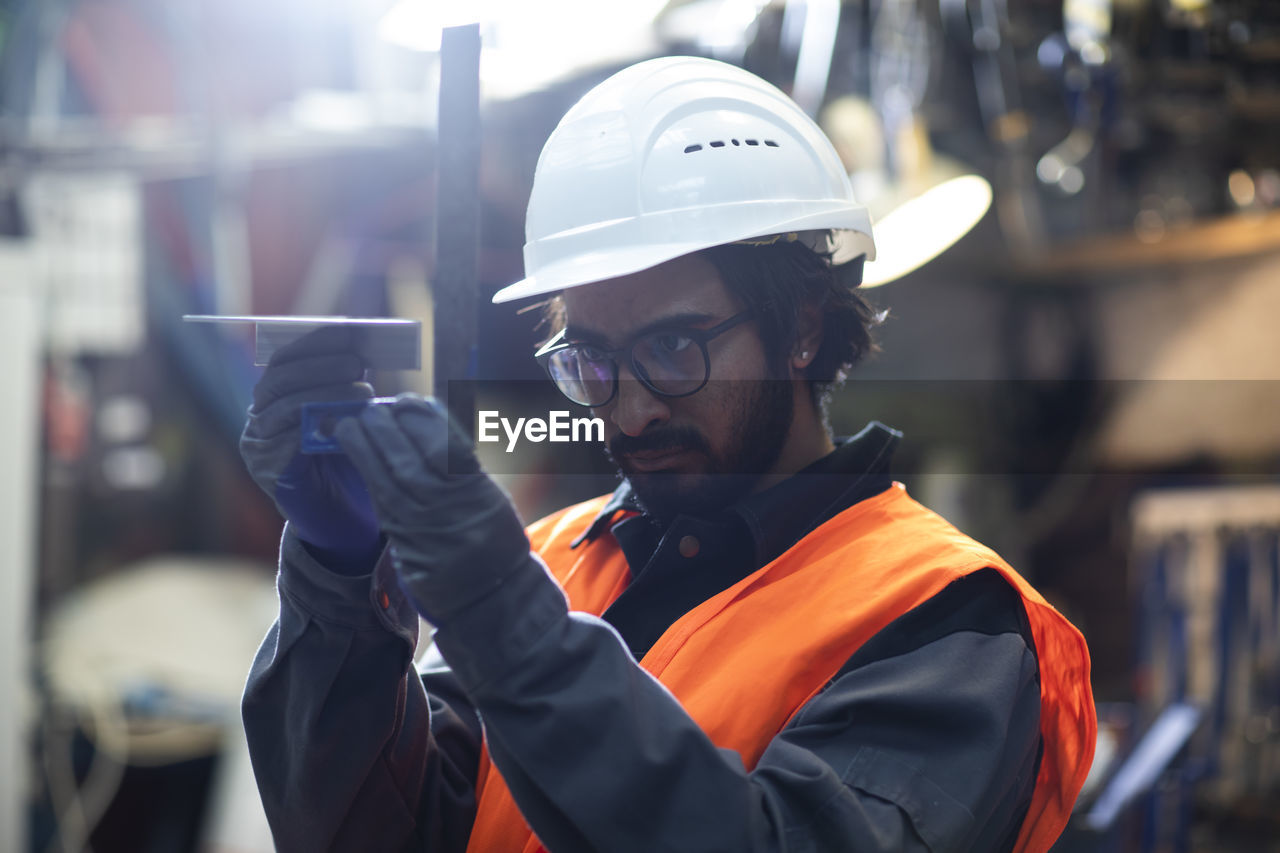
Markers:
point(689, 546)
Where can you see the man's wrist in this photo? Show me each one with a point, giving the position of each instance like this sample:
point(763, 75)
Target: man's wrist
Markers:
point(485, 639)
point(446, 574)
point(352, 601)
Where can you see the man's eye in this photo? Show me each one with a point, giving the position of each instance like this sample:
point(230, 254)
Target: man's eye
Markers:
point(590, 353)
point(671, 342)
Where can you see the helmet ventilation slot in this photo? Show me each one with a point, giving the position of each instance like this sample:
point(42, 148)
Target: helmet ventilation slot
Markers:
point(720, 143)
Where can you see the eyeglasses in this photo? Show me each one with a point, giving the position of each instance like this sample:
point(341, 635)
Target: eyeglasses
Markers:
point(669, 362)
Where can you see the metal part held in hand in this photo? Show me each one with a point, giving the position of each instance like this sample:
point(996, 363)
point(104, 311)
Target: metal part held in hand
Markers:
point(320, 419)
point(383, 343)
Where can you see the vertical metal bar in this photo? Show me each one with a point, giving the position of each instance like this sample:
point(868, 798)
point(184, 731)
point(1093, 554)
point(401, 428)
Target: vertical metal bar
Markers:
point(817, 46)
point(20, 344)
point(457, 221)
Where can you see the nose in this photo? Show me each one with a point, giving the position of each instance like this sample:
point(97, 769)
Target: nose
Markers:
point(636, 408)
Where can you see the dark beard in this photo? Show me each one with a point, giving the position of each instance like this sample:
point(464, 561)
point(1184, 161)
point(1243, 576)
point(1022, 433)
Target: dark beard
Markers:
point(763, 420)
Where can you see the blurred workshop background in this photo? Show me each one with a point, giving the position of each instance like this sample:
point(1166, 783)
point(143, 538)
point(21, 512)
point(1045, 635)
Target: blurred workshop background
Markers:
point(1087, 377)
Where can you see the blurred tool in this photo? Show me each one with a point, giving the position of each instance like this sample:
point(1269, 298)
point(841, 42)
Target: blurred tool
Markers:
point(1142, 769)
point(1137, 796)
point(815, 37)
point(921, 202)
point(1079, 58)
point(1209, 633)
point(982, 28)
point(320, 419)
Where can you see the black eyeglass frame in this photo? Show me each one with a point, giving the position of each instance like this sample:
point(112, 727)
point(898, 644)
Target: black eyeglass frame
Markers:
point(701, 337)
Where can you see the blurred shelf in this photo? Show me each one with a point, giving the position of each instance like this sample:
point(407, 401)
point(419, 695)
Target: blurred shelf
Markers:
point(167, 149)
point(1229, 238)
point(1165, 512)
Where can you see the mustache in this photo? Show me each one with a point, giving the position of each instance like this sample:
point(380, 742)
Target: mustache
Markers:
point(657, 441)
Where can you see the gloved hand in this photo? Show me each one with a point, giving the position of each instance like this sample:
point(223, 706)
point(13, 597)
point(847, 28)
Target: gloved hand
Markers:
point(453, 532)
point(322, 496)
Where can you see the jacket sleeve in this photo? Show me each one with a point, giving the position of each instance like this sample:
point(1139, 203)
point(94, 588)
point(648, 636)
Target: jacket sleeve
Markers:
point(926, 741)
point(349, 750)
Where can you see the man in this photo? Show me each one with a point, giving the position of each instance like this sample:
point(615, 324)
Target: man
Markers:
point(758, 642)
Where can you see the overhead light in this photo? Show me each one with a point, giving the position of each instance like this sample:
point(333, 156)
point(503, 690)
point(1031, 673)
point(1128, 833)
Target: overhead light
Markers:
point(924, 226)
point(921, 206)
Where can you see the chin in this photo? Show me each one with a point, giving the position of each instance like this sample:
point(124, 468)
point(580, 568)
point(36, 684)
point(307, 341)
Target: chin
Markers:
point(666, 495)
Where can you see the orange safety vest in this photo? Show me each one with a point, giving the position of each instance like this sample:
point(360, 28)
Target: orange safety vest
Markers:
point(801, 618)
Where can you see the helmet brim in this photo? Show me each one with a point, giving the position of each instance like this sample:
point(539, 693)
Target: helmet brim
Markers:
point(593, 267)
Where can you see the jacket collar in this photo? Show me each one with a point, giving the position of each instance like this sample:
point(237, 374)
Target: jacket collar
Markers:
point(783, 513)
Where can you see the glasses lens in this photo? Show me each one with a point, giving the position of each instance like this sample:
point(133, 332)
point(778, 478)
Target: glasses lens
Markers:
point(585, 380)
point(671, 362)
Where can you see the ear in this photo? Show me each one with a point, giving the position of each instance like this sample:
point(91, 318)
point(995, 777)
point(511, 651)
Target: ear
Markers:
point(808, 338)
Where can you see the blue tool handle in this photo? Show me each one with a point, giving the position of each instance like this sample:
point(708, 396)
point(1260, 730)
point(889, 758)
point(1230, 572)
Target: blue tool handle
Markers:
point(320, 419)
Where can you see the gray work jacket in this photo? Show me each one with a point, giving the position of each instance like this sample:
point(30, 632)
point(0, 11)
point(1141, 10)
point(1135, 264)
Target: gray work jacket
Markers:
point(927, 739)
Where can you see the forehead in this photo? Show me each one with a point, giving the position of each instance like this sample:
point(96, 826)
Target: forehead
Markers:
point(686, 285)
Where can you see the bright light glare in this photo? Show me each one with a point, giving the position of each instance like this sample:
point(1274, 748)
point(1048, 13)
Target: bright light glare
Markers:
point(528, 45)
point(711, 23)
point(1241, 187)
point(920, 229)
point(417, 24)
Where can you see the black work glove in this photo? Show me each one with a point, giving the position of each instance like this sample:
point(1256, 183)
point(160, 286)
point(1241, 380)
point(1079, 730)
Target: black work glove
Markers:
point(453, 532)
point(322, 496)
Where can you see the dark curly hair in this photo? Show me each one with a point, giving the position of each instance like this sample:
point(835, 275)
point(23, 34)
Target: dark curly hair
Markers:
point(779, 280)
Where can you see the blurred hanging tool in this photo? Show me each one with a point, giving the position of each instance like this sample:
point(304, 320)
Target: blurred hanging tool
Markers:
point(1208, 573)
point(809, 26)
point(1080, 56)
point(457, 221)
point(1141, 772)
point(980, 27)
point(921, 202)
point(1189, 13)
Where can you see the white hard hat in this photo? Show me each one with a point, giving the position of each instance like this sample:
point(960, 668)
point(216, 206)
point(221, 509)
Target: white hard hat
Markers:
point(671, 156)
